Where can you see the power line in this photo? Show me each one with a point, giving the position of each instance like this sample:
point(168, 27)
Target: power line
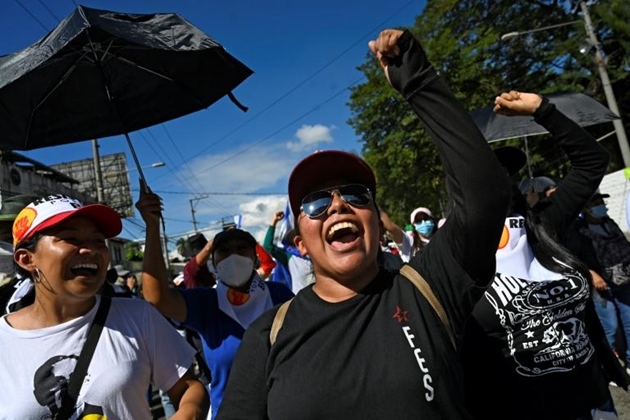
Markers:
point(177, 220)
point(130, 233)
point(136, 223)
point(180, 177)
point(315, 108)
point(32, 15)
point(303, 82)
point(49, 11)
point(296, 87)
point(184, 161)
point(293, 90)
point(216, 193)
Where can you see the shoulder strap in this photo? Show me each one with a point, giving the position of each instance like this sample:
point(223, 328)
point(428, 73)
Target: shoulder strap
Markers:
point(278, 320)
point(421, 284)
point(408, 272)
point(80, 370)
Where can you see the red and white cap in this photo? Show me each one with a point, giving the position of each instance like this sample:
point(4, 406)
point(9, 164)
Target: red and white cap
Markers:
point(325, 165)
point(49, 211)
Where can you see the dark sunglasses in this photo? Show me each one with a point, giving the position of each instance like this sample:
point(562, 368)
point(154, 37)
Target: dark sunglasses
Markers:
point(315, 204)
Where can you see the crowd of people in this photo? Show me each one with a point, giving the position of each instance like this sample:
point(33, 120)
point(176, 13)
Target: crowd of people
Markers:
point(514, 305)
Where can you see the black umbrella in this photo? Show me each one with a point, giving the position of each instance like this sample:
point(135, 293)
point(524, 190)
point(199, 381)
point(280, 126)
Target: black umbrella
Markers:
point(101, 73)
point(581, 108)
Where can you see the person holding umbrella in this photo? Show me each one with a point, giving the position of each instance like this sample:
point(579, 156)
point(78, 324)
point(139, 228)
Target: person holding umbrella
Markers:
point(363, 342)
point(73, 353)
point(220, 315)
point(534, 348)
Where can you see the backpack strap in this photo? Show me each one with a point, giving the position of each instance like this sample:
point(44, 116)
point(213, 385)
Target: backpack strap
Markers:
point(409, 273)
point(80, 370)
point(421, 284)
point(278, 320)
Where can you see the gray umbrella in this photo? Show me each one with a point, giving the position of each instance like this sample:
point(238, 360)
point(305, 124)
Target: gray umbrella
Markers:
point(581, 108)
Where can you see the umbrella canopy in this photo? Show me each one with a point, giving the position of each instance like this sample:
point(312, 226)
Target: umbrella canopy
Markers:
point(101, 73)
point(581, 108)
point(539, 184)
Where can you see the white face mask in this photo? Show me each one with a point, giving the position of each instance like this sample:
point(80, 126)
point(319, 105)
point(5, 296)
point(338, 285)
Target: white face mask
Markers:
point(235, 270)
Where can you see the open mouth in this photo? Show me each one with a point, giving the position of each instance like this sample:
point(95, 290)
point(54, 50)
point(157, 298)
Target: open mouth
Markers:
point(342, 233)
point(84, 269)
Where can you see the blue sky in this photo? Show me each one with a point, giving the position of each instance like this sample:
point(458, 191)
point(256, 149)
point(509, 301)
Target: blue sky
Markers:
point(304, 55)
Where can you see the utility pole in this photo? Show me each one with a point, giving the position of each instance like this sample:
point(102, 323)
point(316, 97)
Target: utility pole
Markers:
point(622, 139)
point(192, 212)
point(98, 173)
point(610, 95)
point(166, 260)
point(192, 202)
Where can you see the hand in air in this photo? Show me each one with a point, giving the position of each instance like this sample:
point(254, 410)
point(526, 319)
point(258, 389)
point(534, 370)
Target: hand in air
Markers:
point(277, 216)
point(149, 205)
point(385, 47)
point(517, 103)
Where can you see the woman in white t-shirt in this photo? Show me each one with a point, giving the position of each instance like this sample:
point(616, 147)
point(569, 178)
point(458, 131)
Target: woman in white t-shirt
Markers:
point(60, 244)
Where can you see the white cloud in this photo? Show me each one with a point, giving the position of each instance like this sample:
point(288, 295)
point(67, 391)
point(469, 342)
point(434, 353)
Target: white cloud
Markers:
point(309, 136)
point(264, 167)
point(257, 214)
point(260, 167)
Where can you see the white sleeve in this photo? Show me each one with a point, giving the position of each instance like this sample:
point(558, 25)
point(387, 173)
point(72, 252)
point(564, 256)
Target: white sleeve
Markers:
point(171, 355)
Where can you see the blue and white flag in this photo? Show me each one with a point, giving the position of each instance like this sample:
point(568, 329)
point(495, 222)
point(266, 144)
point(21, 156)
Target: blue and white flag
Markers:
point(238, 219)
point(285, 226)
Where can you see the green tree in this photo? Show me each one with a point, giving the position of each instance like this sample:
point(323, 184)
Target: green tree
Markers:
point(182, 246)
point(462, 39)
point(133, 251)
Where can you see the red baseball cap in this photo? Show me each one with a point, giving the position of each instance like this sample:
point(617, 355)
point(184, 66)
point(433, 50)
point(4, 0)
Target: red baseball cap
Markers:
point(323, 166)
point(49, 211)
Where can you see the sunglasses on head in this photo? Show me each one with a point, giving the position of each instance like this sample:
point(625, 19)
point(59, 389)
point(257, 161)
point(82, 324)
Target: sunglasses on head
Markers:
point(315, 204)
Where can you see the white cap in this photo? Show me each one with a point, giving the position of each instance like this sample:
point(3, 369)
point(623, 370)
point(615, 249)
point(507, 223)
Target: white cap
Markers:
point(420, 210)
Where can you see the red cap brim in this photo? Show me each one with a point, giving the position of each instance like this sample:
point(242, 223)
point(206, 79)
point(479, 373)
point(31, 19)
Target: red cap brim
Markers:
point(106, 218)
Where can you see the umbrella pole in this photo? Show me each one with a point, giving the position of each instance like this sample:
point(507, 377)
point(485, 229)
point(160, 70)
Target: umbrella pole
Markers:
point(144, 182)
point(529, 167)
point(135, 159)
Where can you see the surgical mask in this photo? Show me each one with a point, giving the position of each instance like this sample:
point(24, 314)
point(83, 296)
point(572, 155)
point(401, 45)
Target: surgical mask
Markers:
point(599, 211)
point(235, 270)
point(425, 228)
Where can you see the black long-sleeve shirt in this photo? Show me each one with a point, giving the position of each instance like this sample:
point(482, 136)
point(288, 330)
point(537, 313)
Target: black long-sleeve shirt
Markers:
point(384, 354)
point(528, 352)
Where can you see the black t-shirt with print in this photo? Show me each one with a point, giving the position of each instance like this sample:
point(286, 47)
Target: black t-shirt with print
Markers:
point(527, 352)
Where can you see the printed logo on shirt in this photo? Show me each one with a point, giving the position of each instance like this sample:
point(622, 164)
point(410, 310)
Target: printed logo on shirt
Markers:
point(427, 380)
point(237, 298)
point(513, 229)
point(542, 322)
point(51, 384)
point(400, 315)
